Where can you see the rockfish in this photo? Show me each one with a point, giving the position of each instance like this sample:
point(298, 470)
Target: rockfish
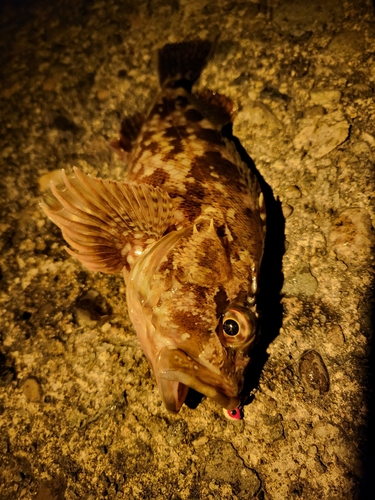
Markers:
point(186, 227)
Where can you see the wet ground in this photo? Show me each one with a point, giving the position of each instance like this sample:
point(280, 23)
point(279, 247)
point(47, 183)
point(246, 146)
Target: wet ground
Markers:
point(80, 415)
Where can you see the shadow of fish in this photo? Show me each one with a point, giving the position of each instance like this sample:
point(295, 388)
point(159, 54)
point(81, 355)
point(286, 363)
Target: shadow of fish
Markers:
point(186, 228)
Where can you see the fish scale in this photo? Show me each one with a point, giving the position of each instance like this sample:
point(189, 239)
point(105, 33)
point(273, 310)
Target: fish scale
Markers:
point(186, 227)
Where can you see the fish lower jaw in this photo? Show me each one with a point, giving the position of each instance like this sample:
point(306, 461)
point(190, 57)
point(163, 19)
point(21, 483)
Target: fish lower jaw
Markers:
point(174, 392)
point(176, 372)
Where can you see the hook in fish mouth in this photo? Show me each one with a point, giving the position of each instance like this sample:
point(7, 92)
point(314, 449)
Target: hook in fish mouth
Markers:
point(176, 372)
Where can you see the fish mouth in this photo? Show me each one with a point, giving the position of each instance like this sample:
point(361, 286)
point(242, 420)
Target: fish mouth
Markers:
point(177, 372)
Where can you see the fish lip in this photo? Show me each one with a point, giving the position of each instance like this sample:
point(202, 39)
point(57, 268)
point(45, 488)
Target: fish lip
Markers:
point(177, 372)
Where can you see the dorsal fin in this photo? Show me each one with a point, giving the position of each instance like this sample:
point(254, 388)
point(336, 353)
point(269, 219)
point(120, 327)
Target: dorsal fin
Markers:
point(129, 132)
point(218, 108)
point(108, 223)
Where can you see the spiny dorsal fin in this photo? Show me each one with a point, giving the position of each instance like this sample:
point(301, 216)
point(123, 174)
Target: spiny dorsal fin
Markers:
point(107, 222)
point(129, 132)
point(182, 62)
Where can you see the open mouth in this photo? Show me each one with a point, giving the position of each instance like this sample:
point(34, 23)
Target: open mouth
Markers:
point(177, 372)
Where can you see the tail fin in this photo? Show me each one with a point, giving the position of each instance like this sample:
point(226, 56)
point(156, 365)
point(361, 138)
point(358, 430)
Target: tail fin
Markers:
point(180, 64)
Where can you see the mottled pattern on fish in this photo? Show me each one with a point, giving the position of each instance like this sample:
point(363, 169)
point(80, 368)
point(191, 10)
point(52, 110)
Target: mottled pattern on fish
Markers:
point(186, 227)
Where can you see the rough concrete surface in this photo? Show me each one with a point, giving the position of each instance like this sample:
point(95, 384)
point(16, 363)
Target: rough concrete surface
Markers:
point(80, 414)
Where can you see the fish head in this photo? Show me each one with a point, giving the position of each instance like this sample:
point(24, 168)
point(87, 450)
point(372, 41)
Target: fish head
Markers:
point(191, 299)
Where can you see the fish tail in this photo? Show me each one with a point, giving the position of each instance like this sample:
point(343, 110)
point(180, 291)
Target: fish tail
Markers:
point(180, 64)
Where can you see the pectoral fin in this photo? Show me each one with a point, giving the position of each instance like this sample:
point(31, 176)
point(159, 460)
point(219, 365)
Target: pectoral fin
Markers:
point(106, 222)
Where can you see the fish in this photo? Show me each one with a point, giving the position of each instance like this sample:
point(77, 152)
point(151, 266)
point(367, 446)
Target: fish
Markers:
point(185, 226)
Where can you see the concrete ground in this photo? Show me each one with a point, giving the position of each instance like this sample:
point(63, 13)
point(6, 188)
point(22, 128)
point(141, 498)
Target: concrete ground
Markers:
point(80, 416)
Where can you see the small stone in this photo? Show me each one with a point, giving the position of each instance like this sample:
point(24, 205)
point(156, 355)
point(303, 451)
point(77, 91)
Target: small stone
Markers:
point(304, 137)
point(326, 138)
point(360, 147)
point(177, 433)
point(359, 90)
point(323, 97)
point(314, 112)
point(370, 139)
point(352, 237)
point(259, 116)
point(102, 95)
point(17, 478)
point(335, 335)
point(301, 283)
point(201, 441)
point(287, 210)
point(292, 193)
point(106, 327)
point(276, 433)
point(313, 372)
point(32, 390)
point(320, 139)
point(312, 451)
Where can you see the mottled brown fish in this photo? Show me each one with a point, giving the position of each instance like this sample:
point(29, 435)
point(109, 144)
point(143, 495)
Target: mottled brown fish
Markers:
point(186, 228)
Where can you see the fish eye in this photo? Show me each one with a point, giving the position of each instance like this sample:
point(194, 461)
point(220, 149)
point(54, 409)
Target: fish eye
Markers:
point(231, 327)
point(238, 327)
point(235, 414)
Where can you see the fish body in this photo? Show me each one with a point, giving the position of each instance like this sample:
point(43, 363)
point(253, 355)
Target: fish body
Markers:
point(186, 228)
